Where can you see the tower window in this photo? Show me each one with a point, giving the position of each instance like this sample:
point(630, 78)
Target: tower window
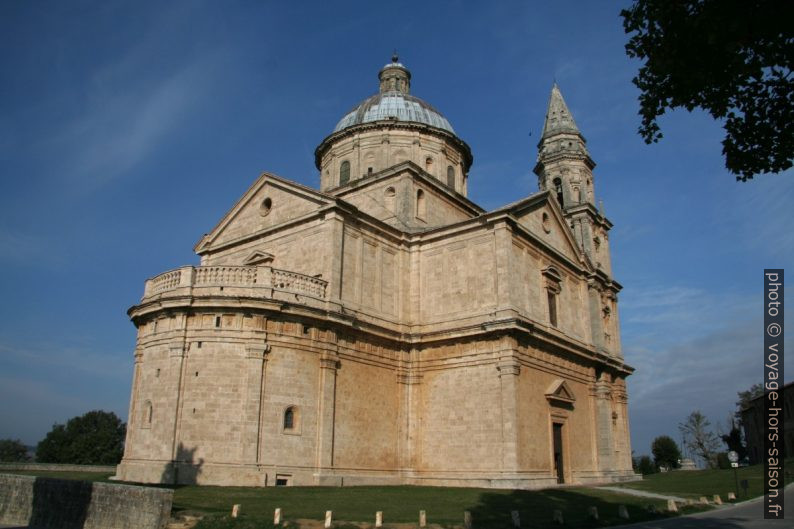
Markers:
point(344, 173)
point(450, 177)
point(558, 190)
point(429, 164)
point(552, 299)
point(217, 321)
point(291, 420)
point(148, 413)
point(369, 170)
point(420, 204)
point(553, 289)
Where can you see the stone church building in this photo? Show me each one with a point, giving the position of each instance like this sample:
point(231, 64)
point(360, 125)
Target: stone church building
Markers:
point(386, 329)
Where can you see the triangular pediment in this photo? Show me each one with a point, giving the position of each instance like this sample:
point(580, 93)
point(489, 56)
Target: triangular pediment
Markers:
point(560, 391)
point(269, 202)
point(540, 215)
point(259, 258)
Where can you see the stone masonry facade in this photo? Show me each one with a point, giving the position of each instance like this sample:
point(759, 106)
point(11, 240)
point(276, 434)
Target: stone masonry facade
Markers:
point(386, 329)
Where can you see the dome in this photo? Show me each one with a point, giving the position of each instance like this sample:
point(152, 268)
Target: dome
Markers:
point(394, 102)
point(394, 105)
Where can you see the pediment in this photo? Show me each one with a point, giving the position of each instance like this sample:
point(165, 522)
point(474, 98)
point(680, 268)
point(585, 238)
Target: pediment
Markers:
point(560, 391)
point(542, 217)
point(269, 202)
point(259, 258)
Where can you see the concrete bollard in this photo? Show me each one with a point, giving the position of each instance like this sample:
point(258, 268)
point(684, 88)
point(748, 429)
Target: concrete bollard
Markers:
point(422, 519)
point(277, 516)
point(235, 510)
point(516, 519)
point(690, 501)
point(623, 512)
point(703, 500)
point(467, 519)
point(731, 496)
point(717, 499)
point(379, 519)
point(671, 506)
point(557, 517)
point(592, 512)
point(328, 519)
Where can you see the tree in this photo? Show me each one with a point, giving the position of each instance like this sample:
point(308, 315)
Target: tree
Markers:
point(13, 451)
point(755, 391)
point(699, 439)
point(96, 438)
point(665, 452)
point(732, 58)
point(644, 465)
point(734, 439)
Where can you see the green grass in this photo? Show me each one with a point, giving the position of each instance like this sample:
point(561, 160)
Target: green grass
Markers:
point(696, 483)
point(81, 476)
point(444, 506)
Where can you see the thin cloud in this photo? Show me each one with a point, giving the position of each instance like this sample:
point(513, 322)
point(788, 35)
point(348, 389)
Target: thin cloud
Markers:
point(120, 129)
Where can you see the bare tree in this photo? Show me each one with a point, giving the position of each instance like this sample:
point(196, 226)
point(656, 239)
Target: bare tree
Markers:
point(700, 440)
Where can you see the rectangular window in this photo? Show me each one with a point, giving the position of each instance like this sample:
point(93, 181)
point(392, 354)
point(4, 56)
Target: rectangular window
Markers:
point(552, 307)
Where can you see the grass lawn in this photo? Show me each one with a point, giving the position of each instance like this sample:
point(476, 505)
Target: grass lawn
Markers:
point(696, 483)
point(444, 506)
point(81, 476)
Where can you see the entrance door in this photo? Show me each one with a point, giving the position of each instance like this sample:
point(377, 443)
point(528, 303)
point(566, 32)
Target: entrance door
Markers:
point(559, 469)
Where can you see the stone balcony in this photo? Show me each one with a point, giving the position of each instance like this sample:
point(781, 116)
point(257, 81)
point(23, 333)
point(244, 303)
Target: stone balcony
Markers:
point(261, 282)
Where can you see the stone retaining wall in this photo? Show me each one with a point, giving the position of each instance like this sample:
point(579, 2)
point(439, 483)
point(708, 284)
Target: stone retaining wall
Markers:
point(56, 467)
point(45, 502)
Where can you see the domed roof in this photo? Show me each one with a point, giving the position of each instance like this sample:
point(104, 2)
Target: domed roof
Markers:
point(394, 102)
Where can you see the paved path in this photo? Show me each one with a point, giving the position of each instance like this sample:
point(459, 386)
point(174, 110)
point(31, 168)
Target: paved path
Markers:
point(745, 515)
point(644, 494)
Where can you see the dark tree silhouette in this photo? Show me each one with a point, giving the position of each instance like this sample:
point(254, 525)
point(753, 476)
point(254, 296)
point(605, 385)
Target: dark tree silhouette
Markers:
point(665, 452)
point(13, 451)
point(96, 438)
point(732, 58)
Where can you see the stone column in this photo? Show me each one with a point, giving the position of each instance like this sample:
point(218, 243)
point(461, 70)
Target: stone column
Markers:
point(410, 389)
point(603, 408)
point(177, 355)
point(132, 420)
point(326, 408)
point(596, 321)
point(336, 235)
point(509, 370)
point(255, 368)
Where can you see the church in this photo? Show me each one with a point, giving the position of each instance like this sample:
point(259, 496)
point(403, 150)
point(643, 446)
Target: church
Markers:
point(385, 329)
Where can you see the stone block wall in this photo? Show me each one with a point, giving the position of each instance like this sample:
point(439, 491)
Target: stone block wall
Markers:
point(65, 504)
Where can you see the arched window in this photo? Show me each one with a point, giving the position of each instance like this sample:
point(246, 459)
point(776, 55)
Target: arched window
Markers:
point(558, 190)
point(420, 204)
point(291, 422)
point(344, 173)
point(451, 177)
point(429, 164)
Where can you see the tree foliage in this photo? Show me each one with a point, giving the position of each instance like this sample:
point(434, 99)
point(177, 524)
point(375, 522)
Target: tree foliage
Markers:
point(699, 438)
point(96, 438)
point(644, 465)
point(755, 391)
point(665, 452)
point(732, 58)
point(13, 451)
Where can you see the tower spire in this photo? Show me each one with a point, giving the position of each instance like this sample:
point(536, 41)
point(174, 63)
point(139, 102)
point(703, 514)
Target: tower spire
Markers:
point(558, 117)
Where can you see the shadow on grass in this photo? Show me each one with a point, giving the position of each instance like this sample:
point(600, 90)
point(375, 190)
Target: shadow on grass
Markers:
point(536, 509)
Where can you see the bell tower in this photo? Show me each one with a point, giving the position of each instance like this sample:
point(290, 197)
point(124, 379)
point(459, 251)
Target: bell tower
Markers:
point(565, 169)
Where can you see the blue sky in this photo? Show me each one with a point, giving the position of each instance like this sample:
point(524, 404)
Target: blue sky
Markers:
point(127, 129)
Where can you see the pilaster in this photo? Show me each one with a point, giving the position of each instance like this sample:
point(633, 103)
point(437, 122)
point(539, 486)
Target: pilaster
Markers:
point(326, 406)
